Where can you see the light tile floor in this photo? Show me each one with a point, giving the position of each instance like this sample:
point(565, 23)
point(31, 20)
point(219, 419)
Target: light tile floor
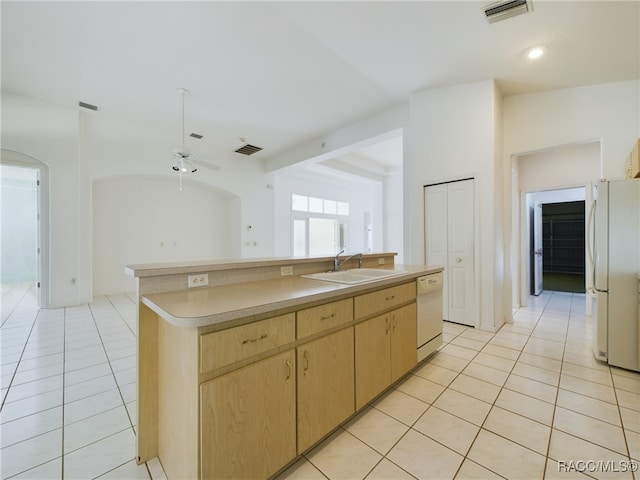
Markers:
point(528, 402)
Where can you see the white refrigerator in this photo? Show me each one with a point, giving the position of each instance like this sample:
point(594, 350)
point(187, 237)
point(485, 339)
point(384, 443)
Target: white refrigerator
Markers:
point(615, 249)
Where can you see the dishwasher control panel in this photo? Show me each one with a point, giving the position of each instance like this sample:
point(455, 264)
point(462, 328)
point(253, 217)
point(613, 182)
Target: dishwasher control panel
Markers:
point(429, 283)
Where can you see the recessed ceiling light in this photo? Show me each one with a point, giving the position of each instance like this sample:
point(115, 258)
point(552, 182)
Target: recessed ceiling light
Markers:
point(535, 52)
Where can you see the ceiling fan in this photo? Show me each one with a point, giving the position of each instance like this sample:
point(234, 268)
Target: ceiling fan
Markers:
point(184, 161)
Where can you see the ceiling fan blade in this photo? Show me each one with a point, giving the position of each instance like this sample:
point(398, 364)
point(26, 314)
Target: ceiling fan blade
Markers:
point(209, 165)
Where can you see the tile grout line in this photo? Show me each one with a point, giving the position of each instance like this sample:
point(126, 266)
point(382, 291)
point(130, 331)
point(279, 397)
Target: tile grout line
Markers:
point(15, 372)
point(22, 297)
point(410, 427)
point(555, 403)
point(429, 405)
point(493, 404)
point(64, 368)
point(114, 375)
point(624, 433)
point(115, 379)
point(583, 414)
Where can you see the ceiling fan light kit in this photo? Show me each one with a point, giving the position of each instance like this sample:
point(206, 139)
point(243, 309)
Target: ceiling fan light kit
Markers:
point(183, 162)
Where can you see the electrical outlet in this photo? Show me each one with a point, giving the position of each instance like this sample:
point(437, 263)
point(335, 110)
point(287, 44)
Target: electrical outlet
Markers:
point(284, 271)
point(381, 261)
point(198, 280)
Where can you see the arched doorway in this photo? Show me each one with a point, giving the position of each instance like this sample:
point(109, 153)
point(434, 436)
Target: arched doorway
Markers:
point(25, 223)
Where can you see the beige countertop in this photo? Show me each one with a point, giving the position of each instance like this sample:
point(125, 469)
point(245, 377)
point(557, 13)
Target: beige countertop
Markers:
point(198, 307)
point(155, 269)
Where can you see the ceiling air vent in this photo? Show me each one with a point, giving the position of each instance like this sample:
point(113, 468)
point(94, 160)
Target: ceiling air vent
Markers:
point(506, 9)
point(196, 135)
point(248, 149)
point(88, 106)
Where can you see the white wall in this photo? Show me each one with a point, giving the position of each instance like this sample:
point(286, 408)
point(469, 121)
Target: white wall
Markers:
point(75, 150)
point(137, 150)
point(392, 197)
point(144, 219)
point(567, 137)
point(49, 134)
point(452, 135)
point(607, 112)
point(562, 167)
point(449, 133)
point(380, 126)
point(362, 196)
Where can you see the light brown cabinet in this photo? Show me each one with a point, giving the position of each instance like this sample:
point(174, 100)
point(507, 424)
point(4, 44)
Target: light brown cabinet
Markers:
point(385, 349)
point(225, 347)
point(372, 358)
point(404, 339)
point(244, 401)
point(382, 300)
point(323, 317)
point(325, 386)
point(248, 427)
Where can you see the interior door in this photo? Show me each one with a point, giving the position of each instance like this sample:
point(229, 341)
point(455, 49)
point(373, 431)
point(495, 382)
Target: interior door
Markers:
point(460, 215)
point(436, 226)
point(537, 248)
point(449, 241)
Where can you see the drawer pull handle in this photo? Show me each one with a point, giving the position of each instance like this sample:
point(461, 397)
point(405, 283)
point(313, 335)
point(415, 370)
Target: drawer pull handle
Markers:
point(390, 298)
point(253, 340)
point(327, 317)
point(288, 364)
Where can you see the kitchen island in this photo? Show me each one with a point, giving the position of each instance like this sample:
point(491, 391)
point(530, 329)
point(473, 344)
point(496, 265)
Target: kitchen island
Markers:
point(239, 377)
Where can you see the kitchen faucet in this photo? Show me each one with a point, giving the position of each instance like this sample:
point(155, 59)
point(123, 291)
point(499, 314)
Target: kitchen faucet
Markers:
point(337, 263)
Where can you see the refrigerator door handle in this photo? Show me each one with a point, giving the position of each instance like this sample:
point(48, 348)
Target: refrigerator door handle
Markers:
point(591, 242)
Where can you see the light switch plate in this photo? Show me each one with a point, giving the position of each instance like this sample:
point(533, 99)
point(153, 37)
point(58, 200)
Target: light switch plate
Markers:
point(381, 261)
point(285, 271)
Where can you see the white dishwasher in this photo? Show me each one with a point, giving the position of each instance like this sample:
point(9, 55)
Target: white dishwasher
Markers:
point(429, 303)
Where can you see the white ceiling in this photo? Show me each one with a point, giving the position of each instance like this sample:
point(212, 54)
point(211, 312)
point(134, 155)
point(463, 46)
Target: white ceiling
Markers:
point(283, 73)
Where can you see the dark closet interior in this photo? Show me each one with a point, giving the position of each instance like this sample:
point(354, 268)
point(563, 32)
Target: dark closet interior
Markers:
point(563, 246)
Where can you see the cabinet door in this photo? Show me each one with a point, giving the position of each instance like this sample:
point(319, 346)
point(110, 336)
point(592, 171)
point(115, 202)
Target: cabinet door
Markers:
point(372, 352)
point(404, 354)
point(248, 420)
point(325, 386)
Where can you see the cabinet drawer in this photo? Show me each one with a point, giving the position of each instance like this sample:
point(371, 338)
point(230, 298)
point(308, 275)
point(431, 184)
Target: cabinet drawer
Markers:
point(371, 303)
point(316, 319)
point(225, 347)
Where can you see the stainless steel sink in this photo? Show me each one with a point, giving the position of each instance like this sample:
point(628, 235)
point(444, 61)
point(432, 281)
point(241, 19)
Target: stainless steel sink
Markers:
point(354, 276)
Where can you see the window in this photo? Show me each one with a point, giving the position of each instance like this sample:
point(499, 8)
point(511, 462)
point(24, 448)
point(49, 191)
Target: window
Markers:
point(319, 225)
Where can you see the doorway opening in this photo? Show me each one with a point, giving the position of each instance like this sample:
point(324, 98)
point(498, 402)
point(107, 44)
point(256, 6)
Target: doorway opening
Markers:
point(563, 245)
point(557, 253)
point(363, 180)
point(19, 253)
point(24, 223)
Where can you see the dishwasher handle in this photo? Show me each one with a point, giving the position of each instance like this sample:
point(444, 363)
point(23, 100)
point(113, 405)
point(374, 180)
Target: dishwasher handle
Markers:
point(430, 283)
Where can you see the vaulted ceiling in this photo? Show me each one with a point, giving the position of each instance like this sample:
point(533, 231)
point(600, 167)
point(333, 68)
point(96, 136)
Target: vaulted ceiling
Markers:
point(282, 73)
